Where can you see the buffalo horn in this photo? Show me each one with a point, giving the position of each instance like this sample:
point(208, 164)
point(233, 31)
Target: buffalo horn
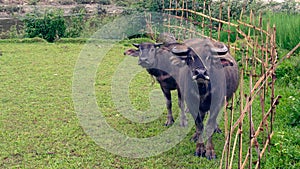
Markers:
point(224, 49)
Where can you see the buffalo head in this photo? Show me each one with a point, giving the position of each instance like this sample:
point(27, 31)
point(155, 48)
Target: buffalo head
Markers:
point(201, 54)
point(146, 52)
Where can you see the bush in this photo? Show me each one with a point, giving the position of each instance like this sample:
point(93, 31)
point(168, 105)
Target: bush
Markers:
point(66, 2)
point(287, 72)
point(33, 2)
point(82, 1)
point(103, 2)
point(50, 26)
point(12, 33)
point(75, 26)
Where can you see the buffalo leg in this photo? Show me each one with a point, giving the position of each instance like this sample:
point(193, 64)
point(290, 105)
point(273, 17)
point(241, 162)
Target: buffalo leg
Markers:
point(210, 129)
point(167, 94)
point(183, 120)
point(210, 152)
point(200, 148)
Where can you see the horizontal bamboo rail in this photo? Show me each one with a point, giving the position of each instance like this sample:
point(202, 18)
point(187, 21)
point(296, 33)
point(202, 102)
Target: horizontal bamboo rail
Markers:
point(203, 15)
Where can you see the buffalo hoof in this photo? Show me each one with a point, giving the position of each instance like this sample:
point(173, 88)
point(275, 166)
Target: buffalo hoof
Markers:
point(200, 150)
point(169, 122)
point(183, 123)
point(199, 154)
point(218, 130)
point(210, 154)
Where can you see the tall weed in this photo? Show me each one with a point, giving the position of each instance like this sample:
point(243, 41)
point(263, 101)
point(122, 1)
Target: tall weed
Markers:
point(287, 29)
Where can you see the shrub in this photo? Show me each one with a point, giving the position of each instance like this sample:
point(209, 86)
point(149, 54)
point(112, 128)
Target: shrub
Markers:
point(33, 2)
point(75, 26)
point(287, 72)
point(78, 9)
point(103, 2)
point(13, 32)
point(66, 2)
point(84, 1)
point(50, 26)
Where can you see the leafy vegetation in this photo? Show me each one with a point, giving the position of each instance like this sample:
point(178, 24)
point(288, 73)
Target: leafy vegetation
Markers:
point(49, 26)
point(287, 26)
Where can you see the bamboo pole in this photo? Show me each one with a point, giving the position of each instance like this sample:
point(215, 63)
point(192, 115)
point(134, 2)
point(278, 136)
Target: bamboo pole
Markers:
point(227, 135)
point(233, 149)
point(259, 84)
point(186, 16)
point(181, 22)
point(220, 18)
point(210, 21)
point(241, 122)
point(250, 123)
point(228, 26)
point(169, 18)
point(231, 122)
point(264, 149)
point(260, 125)
point(203, 18)
point(203, 15)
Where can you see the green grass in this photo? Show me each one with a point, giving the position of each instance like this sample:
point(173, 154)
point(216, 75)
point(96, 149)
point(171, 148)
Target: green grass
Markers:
point(40, 129)
point(287, 26)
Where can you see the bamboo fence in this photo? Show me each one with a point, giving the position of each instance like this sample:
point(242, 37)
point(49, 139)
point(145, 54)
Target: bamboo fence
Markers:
point(249, 118)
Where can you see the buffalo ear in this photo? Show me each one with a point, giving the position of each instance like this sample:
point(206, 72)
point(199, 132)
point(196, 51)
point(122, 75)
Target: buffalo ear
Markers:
point(226, 62)
point(136, 45)
point(132, 52)
point(223, 61)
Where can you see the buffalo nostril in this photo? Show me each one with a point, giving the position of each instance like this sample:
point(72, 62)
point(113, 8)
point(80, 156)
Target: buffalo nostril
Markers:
point(143, 60)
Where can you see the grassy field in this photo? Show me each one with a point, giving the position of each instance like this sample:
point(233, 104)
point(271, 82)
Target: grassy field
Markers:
point(40, 129)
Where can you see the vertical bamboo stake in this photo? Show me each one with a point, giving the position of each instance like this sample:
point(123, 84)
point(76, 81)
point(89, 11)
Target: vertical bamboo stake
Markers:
point(169, 17)
point(267, 48)
point(220, 18)
point(182, 32)
point(176, 14)
point(273, 56)
point(262, 95)
point(164, 15)
point(204, 3)
point(241, 123)
point(227, 135)
point(233, 149)
point(193, 16)
point(231, 123)
point(187, 17)
point(250, 122)
point(210, 21)
point(242, 12)
point(250, 108)
point(228, 23)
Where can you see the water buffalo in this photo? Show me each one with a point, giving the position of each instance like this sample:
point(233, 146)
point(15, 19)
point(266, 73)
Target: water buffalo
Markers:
point(216, 73)
point(167, 82)
point(200, 75)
